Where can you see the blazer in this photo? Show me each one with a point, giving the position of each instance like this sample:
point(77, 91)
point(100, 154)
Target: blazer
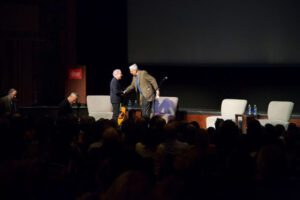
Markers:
point(115, 91)
point(7, 105)
point(148, 85)
point(65, 108)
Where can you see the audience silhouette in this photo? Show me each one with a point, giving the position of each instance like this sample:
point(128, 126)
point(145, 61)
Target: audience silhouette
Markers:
point(65, 158)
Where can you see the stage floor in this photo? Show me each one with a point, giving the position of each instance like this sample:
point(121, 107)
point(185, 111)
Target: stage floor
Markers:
point(188, 114)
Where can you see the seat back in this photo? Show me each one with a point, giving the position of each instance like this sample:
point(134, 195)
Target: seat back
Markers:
point(230, 107)
point(166, 105)
point(99, 106)
point(280, 110)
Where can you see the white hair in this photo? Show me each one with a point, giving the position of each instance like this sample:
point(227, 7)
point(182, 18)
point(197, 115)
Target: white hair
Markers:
point(116, 72)
point(12, 90)
point(133, 67)
point(74, 94)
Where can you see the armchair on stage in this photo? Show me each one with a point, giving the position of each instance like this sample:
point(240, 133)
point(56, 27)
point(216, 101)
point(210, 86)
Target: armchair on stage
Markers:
point(229, 108)
point(279, 112)
point(99, 106)
point(166, 107)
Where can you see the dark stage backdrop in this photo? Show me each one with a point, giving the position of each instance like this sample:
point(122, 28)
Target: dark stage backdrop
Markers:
point(203, 88)
point(213, 31)
point(215, 49)
point(209, 50)
point(40, 39)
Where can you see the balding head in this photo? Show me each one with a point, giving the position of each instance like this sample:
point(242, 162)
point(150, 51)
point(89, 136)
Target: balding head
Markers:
point(12, 93)
point(72, 98)
point(117, 73)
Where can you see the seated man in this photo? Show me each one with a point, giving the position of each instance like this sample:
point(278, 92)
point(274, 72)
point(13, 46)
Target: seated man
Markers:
point(65, 107)
point(8, 103)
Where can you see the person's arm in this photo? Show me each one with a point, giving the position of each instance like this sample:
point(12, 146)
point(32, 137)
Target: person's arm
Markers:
point(14, 106)
point(131, 86)
point(153, 82)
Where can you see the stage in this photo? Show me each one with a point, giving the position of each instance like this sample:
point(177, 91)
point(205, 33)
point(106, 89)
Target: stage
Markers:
point(188, 114)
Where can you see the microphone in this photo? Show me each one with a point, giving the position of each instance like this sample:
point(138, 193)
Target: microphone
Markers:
point(165, 78)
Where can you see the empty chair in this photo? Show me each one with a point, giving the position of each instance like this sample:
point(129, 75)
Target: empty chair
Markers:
point(279, 112)
point(166, 107)
point(99, 106)
point(229, 108)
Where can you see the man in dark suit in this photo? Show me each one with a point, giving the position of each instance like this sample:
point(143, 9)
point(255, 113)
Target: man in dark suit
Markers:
point(8, 103)
point(65, 107)
point(146, 87)
point(115, 93)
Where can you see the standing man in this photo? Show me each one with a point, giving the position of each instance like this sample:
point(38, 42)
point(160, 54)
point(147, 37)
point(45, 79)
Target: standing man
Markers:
point(8, 103)
point(115, 93)
point(65, 107)
point(146, 87)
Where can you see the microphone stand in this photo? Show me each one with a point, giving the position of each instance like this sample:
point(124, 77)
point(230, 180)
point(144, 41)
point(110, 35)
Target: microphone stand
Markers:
point(162, 81)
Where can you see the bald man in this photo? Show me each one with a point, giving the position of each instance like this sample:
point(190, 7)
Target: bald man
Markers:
point(65, 107)
point(115, 93)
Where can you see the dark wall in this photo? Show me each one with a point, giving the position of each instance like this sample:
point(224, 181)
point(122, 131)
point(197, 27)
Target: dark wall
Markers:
point(213, 31)
point(102, 46)
point(205, 87)
point(36, 45)
point(101, 41)
point(34, 59)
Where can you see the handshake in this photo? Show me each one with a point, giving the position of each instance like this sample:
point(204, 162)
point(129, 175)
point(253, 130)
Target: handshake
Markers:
point(122, 93)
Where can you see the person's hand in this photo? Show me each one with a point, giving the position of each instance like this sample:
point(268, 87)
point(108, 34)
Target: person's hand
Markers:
point(121, 93)
point(157, 94)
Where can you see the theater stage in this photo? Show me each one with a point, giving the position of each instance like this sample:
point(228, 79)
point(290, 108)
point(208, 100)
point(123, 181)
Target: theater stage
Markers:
point(188, 114)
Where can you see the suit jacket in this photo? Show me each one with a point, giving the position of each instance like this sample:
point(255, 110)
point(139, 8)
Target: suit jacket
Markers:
point(148, 85)
point(115, 91)
point(7, 105)
point(65, 108)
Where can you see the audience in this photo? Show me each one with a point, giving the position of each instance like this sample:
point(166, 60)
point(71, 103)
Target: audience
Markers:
point(65, 158)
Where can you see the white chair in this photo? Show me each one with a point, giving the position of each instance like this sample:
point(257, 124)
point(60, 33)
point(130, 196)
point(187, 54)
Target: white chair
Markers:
point(99, 106)
point(166, 107)
point(229, 108)
point(279, 112)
